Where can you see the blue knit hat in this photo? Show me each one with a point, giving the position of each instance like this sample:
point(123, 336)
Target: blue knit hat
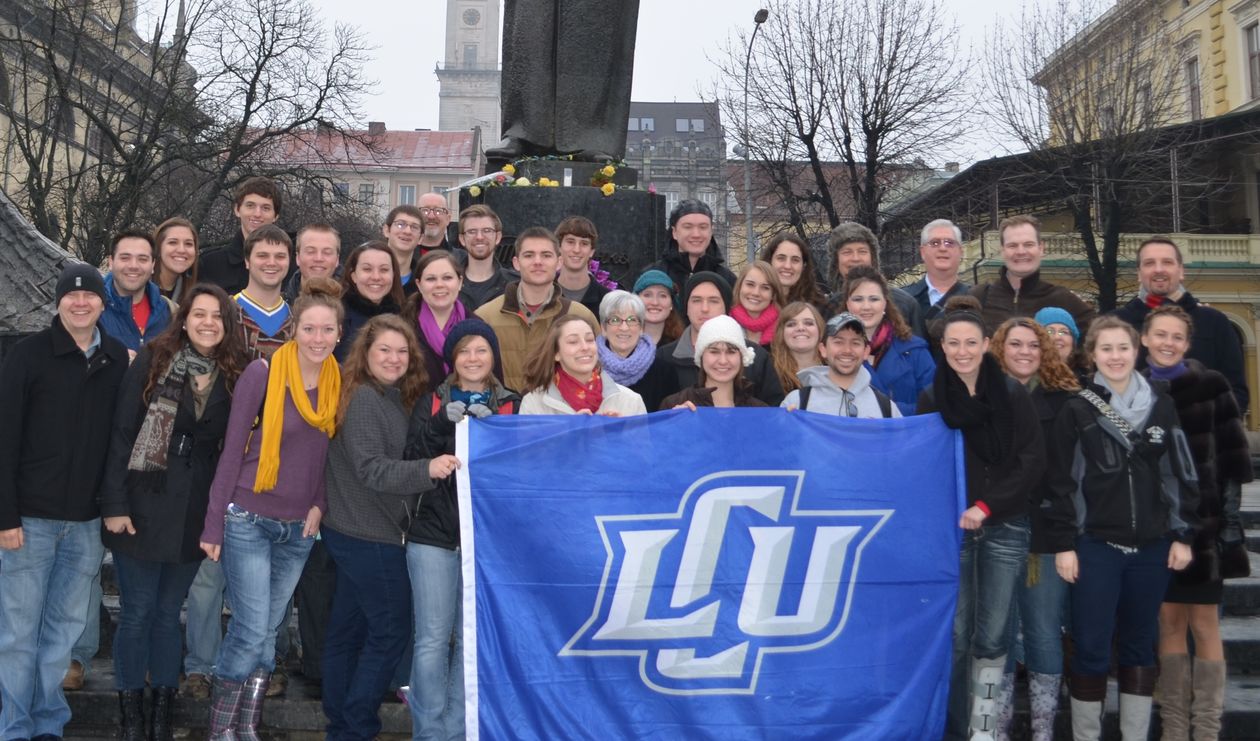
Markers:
point(470, 326)
point(651, 278)
point(1055, 315)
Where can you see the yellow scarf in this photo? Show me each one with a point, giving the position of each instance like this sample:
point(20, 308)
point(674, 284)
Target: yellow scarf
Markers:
point(285, 377)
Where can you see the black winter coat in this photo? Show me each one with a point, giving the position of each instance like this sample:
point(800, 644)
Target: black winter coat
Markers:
point(58, 408)
point(1048, 404)
point(677, 265)
point(167, 508)
point(670, 374)
point(1213, 428)
point(1134, 492)
point(432, 434)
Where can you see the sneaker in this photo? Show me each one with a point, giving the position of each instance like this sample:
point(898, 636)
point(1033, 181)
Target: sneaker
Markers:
point(195, 687)
point(279, 680)
point(74, 677)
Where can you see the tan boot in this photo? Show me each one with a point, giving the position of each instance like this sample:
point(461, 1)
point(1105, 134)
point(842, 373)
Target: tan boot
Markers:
point(73, 681)
point(1209, 699)
point(1172, 692)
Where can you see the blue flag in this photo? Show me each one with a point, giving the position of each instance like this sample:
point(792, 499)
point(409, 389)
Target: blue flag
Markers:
point(723, 574)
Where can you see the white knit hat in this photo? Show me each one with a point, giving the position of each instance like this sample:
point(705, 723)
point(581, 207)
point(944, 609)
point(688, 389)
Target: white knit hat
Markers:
point(723, 329)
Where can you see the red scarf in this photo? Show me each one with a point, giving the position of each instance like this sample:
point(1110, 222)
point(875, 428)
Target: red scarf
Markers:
point(580, 395)
point(763, 324)
point(1153, 301)
point(881, 342)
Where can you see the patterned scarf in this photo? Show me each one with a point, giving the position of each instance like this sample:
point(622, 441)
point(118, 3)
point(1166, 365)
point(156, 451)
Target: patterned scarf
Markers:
point(580, 395)
point(284, 378)
point(434, 335)
point(628, 370)
point(881, 342)
point(763, 324)
point(148, 453)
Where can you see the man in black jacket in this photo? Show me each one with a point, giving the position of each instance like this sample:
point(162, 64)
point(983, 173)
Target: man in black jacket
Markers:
point(1161, 274)
point(57, 390)
point(256, 204)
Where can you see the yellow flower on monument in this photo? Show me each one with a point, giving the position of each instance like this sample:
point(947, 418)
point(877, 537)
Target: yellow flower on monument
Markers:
point(608, 189)
point(608, 171)
point(553, 183)
point(509, 169)
point(522, 181)
point(474, 191)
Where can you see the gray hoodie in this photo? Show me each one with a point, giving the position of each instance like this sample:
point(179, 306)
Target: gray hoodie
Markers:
point(826, 397)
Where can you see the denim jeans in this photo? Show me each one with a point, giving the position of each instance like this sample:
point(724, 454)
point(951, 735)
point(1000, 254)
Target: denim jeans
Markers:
point(262, 560)
point(1038, 618)
point(88, 644)
point(991, 562)
point(368, 632)
point(1117, 594)
point(44, 590)
point(205, 619)
point(437, 671)
point(149, 637)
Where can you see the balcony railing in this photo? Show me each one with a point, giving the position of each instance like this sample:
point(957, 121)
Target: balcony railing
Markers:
point(1195, 248)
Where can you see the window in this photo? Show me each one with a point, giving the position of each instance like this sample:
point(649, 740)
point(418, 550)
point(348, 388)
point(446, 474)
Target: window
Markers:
point(406, 195)
point(341, 191)
point(671, 199)
point(96, 138)
point(697, 125)
point(470, 55)
point(681, 125)
point(1253, 59)
point(367, 193)
point(632, 125)
point(647, 124)
point(1194, 97)
point(709, 198)
point(4, 88)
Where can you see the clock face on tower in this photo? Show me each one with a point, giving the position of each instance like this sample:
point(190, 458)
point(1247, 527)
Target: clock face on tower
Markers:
point(471, 16)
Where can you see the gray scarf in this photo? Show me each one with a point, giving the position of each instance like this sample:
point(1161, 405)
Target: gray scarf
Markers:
point(1134, 405)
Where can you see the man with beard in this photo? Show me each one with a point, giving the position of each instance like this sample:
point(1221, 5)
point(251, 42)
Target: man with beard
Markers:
point(434, 218)
point(843, 385)
point(484, 278)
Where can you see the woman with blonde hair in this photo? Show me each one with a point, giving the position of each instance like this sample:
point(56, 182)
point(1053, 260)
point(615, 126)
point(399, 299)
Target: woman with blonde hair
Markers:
point(758, 297)
point(797, 337)
point(563, 375)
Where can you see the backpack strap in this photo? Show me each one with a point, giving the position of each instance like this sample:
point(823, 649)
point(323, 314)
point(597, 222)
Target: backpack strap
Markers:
point(1105, 409)
point(804, 398)
point(885, 403)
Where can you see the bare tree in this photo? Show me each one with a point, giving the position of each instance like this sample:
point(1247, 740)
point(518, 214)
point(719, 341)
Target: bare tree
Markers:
point(1091, 93)
point(870, 84)
point(107, 129)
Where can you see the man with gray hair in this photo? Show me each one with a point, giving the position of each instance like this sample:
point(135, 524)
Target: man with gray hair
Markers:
point(851, 245)
point(940, 247)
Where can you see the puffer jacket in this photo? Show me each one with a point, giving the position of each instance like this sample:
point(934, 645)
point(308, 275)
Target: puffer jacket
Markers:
point(1130, 492)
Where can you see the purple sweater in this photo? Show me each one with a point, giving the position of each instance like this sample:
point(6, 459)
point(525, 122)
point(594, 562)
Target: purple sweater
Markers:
point(300, 481)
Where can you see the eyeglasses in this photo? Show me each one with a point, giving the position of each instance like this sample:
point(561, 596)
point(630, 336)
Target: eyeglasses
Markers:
point(1063, 332)
point(850, 403)
point(434, 210)
point(406, 226)
point(937, 243)
point(616, 321)
point(486, 232)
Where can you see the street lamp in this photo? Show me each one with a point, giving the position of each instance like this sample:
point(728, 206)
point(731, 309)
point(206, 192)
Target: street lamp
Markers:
point(758, 19)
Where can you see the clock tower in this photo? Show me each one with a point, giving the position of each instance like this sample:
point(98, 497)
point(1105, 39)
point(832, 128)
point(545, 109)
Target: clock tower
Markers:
point(468, 79)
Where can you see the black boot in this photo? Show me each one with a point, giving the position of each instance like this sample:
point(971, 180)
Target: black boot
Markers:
point(131, 711)
point(160, 726)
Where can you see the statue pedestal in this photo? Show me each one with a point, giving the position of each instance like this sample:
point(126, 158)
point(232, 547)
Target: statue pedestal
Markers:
point(631, 223)
point(571, 173)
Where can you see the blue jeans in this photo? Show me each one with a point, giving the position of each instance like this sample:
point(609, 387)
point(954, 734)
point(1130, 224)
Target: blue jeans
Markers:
point(149, 637)
point(1038, 618)
point(205, 619)
point(262, 560)
point(88, 644)
point(1117, 593)
point(437, 671)
point(44, 588)
point(368, 632)
point(991, 563)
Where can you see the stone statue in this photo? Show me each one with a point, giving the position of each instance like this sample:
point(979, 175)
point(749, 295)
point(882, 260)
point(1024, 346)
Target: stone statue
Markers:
point(567, 67)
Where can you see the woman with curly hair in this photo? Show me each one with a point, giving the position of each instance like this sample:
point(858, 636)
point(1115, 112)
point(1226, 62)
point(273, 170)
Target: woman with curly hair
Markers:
point(902, 363)
point(1027, 354)
point(797, 338)
point(793, 261)
point(1191, 691)
point(372, 493)
point(169, 428)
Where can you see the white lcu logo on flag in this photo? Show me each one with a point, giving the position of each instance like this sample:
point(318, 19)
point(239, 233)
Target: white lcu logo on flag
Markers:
point(702, 613)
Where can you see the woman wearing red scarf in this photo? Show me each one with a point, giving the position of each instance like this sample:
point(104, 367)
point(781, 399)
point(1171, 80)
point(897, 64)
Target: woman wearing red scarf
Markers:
point(901, 363)
point(759, 296)
point(563, 376)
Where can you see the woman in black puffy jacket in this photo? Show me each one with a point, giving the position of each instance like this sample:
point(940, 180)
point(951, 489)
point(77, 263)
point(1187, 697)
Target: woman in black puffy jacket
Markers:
point(1123, 513)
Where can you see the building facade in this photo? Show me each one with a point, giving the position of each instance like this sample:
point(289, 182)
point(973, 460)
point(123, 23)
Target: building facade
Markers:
point(468, 77)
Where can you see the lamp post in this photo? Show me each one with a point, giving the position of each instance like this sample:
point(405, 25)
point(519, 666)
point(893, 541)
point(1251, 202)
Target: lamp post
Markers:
point(758, 19)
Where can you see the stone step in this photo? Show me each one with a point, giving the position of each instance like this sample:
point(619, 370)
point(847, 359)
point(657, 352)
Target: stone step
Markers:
point(1253, 540)
point(1242, 596)
point(1241, 636)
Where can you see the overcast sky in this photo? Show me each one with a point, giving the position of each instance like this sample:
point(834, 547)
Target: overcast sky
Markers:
point(674, 37)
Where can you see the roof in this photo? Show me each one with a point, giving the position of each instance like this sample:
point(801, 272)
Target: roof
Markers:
point(387, 150)
point(666, 116)
point(29, 266)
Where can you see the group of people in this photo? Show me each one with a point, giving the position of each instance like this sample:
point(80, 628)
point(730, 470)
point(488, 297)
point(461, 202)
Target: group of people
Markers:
point(235, 427)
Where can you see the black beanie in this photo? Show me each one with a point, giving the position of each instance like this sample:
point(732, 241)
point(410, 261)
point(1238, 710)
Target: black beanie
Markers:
point(705, 276)
point(470, 326)
point(78, 276)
